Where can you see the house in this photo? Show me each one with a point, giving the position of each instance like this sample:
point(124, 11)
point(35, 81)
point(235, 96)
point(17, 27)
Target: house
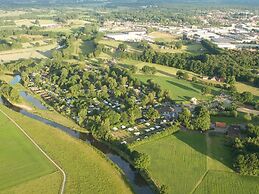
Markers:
point(220, 125)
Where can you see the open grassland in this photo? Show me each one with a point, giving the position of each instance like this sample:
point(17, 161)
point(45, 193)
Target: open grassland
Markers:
point(190, 162)
point(179, 90)
point(162, 70)
point(230, 183)
point(131, 47)
point(177, 161)
point(87, 170)
point(21, 161)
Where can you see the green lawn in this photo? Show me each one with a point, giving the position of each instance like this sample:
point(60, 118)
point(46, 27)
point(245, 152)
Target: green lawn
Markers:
point(177, 161)
point(190, 162)
point(20, 160)
point(179, 90)
point(88, 171)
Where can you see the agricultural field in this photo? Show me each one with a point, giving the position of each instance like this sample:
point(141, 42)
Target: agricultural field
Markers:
point(163, 36)
point(199, 163)
point(21, 161)
point(87, 170)
point(37, 52)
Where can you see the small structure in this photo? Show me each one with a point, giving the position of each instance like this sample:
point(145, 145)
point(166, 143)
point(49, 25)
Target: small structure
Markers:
point(194, 101)
point(220, 125)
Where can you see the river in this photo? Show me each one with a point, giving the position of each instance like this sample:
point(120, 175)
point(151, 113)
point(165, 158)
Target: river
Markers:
point(139, 185)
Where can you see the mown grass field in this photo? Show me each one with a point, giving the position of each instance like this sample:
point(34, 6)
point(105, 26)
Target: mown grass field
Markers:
point(177, 161)
point(20, 160)
point(87, 170)
point(179, 90)
point(190, 162)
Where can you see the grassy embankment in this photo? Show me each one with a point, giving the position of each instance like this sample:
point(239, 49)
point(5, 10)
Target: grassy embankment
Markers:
point(87, 170)
point(21, 161)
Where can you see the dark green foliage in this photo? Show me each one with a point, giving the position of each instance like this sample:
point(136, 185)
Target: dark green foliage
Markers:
point(141, 160)
point(201, 118)
point(148, 70)
point(247, 152)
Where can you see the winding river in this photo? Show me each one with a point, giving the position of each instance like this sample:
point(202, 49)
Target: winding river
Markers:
point(139, 185)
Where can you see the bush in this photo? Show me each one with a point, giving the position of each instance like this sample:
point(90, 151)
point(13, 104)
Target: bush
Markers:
point(247, 117)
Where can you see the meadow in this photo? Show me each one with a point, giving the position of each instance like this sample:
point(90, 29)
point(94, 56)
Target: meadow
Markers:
point(176, 164)
point(191, 162)
point(179, 90)
point(88, 171)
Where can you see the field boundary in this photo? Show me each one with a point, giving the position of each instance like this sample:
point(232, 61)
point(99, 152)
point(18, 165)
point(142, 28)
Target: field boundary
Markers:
point(42, 151)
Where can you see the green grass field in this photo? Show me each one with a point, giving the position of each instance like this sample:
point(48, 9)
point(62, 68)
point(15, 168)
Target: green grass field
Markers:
point(87, 170)
point(179, 90)
point(190, 162)
point(177, 161)
point(21, 161)
point(216, 182)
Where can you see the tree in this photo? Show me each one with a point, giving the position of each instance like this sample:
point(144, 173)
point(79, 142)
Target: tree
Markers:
point(185, 76)
point(185, 117)
point(179, 74)
point(164, 189)
point(194, 79)
point(152, 114)
point(122, 47)
point(247, 117)
point(140, 160)
point(148, 70)
point(202, 118)
point(178, 45)
point(103, 130)
point(82, 115)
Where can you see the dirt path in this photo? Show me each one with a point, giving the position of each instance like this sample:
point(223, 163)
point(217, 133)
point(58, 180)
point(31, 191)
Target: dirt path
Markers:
point(43, 152)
